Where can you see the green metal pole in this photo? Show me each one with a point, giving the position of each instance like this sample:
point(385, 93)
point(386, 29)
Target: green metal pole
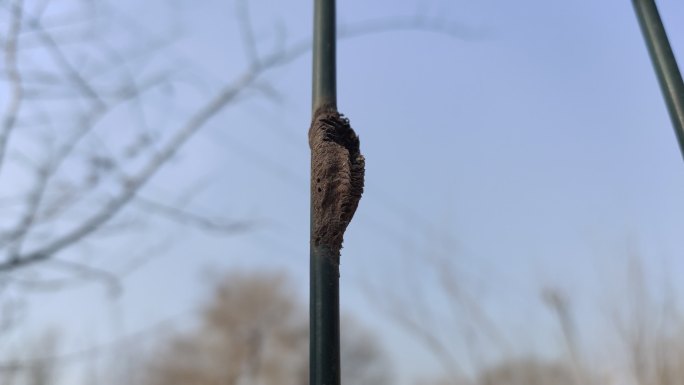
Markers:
point(324, 57)
point(324, 353)
point(665, 64)
point(324, 321)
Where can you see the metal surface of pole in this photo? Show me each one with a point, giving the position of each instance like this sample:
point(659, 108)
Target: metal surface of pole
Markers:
point(665, 64)
point(324, 312)
point(324, 55)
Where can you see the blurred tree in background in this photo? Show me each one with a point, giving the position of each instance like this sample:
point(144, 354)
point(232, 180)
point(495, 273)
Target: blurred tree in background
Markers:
point(254, 330)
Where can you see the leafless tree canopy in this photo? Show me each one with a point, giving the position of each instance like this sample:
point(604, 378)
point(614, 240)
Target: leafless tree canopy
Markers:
point(80, 135)
point(86, 125)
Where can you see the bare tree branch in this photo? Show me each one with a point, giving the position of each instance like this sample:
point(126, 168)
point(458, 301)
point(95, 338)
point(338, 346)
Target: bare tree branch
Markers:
point(73, 74)
point(33, 203)
point(247, 32)
point(79, 272)
point(35, 196)
point(134, 184)
point(419, 23)
point(202, 222)
point(12, 71)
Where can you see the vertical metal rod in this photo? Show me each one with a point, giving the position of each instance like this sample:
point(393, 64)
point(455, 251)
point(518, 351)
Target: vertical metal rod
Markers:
point(665, 64)
point(324, 58)
point(324, 348)
point(324, 315)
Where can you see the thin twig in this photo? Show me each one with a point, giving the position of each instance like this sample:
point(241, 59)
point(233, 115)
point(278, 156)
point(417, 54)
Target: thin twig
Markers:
point(14, 76)
point(72, 72)
point(197, 220)
point(82, 272)
point(247, 32)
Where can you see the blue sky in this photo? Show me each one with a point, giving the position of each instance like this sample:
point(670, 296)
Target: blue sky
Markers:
point(539, 145)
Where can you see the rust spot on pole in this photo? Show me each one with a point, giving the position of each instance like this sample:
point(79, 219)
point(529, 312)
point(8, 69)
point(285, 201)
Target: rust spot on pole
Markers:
point(337, 173)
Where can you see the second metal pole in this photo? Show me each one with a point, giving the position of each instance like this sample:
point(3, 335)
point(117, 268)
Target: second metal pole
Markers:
point(665, 64)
